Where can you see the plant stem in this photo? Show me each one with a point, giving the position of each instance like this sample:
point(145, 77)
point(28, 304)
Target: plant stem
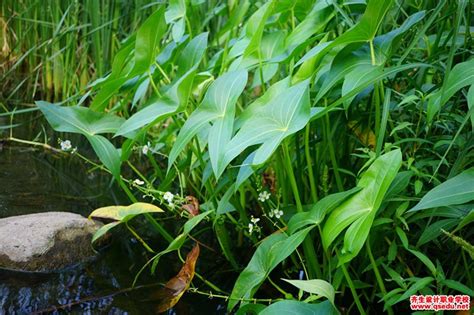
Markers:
point(377, 274)
point(309, 162)
point(135, 234)
point(332, 155)
point(353, 291)
point(308, 248)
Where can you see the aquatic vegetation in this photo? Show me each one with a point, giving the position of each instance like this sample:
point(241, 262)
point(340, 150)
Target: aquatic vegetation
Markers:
point(326, 146)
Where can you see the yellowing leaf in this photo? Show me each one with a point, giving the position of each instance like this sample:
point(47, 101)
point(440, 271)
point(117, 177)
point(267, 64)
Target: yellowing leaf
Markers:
point(366, 136)
point(124, 213)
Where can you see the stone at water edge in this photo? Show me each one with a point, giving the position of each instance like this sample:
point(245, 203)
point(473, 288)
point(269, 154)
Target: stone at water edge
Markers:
point(45, 241)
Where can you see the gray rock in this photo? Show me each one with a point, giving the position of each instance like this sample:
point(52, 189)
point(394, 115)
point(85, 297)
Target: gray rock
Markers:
point(45, 241)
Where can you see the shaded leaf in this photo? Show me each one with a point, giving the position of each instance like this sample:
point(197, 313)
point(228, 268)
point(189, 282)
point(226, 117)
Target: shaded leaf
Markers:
point(272, 251)
point(298, 307)
point(180, 239)
point(460, 76)
point(107, 153)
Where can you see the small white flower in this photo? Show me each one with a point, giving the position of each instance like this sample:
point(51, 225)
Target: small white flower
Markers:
point(138, 182)
point(168, 197)
point(65, 145)
point(263, 196)
point(278, 213)
point(254, 220)
point(250, 228)
point(146, 148)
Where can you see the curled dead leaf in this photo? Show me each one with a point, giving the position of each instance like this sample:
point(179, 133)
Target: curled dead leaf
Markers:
point(192, 206)
point(174, 289)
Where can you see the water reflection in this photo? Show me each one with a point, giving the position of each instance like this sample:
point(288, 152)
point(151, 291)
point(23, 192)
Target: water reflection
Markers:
point(35, 181)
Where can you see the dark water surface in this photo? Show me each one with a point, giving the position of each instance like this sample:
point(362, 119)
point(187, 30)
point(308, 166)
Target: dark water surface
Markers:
point(32, 180)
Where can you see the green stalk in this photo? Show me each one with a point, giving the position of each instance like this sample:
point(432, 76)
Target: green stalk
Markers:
point(332, 154)
point(135, 234)
point(148, 216)
point(377, 274)
point(383, 125)
point(309, 162)
point(353, 291)
point(308, 248)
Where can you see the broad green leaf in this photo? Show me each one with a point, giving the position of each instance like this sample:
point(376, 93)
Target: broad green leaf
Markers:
point(107, 154)
point(77, 119)
point(344, 63)
point(108, 89)
point(319, 210)
point(121, 59)
point(313, 23)
point(254, 29)
point(454, 191)
point(148, 41)
point(298, 307)
point(176, 97)
point(386, 43)
point(82, 120)
point(359, 210)
point(277, 117)
point(460, 76)
point(271, 252)
point(124, 213)
point(364, 31)
point(362, 72)
point(354, 66)
point(387, 72)
point(250, 309)
point(218, 108)
point(175, 15)
point(315, 286)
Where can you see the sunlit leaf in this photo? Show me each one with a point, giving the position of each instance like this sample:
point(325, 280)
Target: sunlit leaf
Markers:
point(78, 119)
point(176, 97)
point(319, 210)
point(358, 211)
point(315, 286)
point(218, 108)
point(124, 213)
point(454, 191)
point(278, 116)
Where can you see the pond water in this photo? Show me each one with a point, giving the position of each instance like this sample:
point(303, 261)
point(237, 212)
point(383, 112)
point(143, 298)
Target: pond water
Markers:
point(31, 181)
